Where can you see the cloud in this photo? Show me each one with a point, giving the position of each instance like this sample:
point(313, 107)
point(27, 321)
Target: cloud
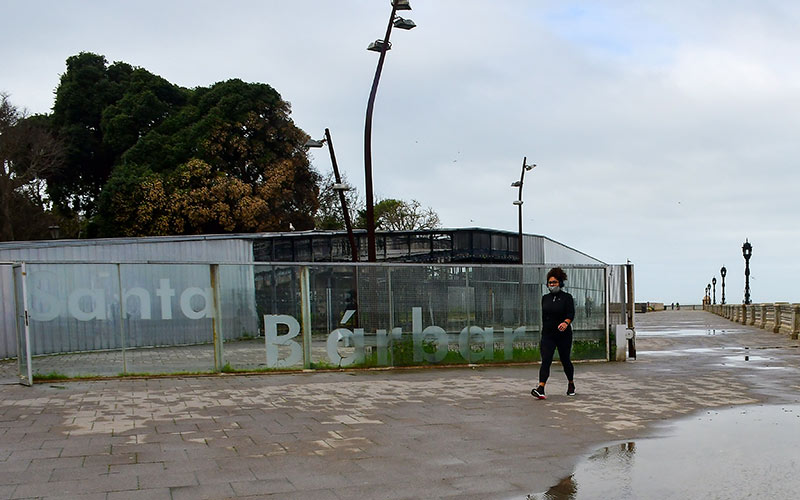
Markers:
point(664, 132)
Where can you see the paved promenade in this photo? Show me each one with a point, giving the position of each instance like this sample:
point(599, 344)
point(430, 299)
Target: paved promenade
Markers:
point(437, 433)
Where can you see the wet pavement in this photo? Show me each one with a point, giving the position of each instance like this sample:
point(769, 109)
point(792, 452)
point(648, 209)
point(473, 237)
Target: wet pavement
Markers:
point(741, 452)
point(434, 433)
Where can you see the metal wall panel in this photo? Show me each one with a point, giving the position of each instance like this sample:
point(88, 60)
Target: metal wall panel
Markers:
point(217, 249)
point(190, 248)
point(558, 253)
point(533, 249)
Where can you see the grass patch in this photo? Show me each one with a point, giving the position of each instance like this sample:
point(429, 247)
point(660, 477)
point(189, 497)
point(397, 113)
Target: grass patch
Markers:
point(54, 375)
point(165, 374)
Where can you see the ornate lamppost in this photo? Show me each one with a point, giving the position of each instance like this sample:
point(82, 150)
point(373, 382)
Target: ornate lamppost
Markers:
point(747, 252)
point(707, 299)
point(723, 272)
point(714, 282)
point(381, 46)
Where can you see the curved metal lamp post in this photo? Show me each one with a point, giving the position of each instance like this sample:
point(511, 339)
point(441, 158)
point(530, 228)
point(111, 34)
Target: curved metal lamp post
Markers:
point(518, 202)
point(378, 46)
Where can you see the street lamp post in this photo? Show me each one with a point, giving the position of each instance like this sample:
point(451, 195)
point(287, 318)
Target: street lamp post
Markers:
point(708, 294)
point(714, 282)
point(339, 187)
point(378, 46)
point(722, 273)
point(518, 201)
point(747, 252)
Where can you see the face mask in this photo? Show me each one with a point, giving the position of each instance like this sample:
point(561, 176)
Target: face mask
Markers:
point(554, 288)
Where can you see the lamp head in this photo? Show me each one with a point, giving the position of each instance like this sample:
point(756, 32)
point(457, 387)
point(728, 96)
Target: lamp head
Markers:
point(747, 249)
point(530, 167)
point(401, 4)
point(341, 187)
point(377, 46)
point(516, 184)
point(723, 271)
point(518, 202)
point(714, 281)
point(313, 143)
point(404, 24)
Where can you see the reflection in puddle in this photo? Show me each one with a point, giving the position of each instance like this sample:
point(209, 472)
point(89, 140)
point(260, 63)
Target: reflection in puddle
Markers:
point(693, 332)
point(739, 452)
point(682, 352)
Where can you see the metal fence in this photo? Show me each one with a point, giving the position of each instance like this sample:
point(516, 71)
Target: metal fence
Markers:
point(89, 319)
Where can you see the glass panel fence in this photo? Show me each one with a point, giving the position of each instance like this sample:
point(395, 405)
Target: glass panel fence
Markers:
point(111, 319)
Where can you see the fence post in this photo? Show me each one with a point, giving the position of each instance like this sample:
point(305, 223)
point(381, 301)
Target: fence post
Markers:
point(305, 311)
point(216, 321)
point(121, 318)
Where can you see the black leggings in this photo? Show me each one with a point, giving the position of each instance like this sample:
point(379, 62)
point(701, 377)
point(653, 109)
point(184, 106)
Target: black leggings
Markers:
point(562, 341)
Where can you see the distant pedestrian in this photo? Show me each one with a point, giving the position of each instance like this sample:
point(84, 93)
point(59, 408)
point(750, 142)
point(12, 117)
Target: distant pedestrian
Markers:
point(587, 305)
point(558, 312)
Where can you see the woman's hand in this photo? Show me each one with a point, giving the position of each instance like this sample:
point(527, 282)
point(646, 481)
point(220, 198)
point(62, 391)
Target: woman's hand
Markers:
point(563, 326)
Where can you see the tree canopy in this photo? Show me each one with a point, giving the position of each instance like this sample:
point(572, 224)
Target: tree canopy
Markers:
point(137, 146)
point(127, 153)
point(401, 215)
point(28, 153)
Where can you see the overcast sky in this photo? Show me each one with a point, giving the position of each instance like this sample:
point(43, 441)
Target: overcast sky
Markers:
point(665, 133)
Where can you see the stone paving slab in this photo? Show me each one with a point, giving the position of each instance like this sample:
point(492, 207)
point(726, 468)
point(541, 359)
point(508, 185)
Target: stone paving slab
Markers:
point(435, 433)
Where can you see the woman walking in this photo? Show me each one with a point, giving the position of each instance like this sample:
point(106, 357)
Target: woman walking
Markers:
point(558, 312)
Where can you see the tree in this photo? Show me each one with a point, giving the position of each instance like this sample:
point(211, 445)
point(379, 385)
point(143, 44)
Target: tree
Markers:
point(243, 134)
point(28, 153)
point(329, 214)
point(191, 200)
point(100, 112)
point(400, 215)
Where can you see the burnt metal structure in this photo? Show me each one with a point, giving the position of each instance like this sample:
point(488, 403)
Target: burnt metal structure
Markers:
point(747, 252)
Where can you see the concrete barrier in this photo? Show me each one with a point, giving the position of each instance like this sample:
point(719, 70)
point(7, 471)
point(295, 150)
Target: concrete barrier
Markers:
point(778, 317)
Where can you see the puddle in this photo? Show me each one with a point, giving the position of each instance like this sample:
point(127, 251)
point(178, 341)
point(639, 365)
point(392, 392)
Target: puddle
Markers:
point(681, 352)
point(693, 332)
point(741, 452)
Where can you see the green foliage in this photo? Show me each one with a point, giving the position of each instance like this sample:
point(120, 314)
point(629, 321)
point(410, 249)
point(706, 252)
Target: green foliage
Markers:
point(53, 375)
point(588, 349)
point(28, 153)
point(85, 90)
point(146, 157)
point(400, 215)
point(403, 352)
point(330, 214)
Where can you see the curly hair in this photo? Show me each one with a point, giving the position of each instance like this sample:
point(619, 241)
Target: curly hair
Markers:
point(558, 274)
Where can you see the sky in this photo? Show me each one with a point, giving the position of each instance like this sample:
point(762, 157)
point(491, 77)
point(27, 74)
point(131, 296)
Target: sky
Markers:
point(664, 133)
